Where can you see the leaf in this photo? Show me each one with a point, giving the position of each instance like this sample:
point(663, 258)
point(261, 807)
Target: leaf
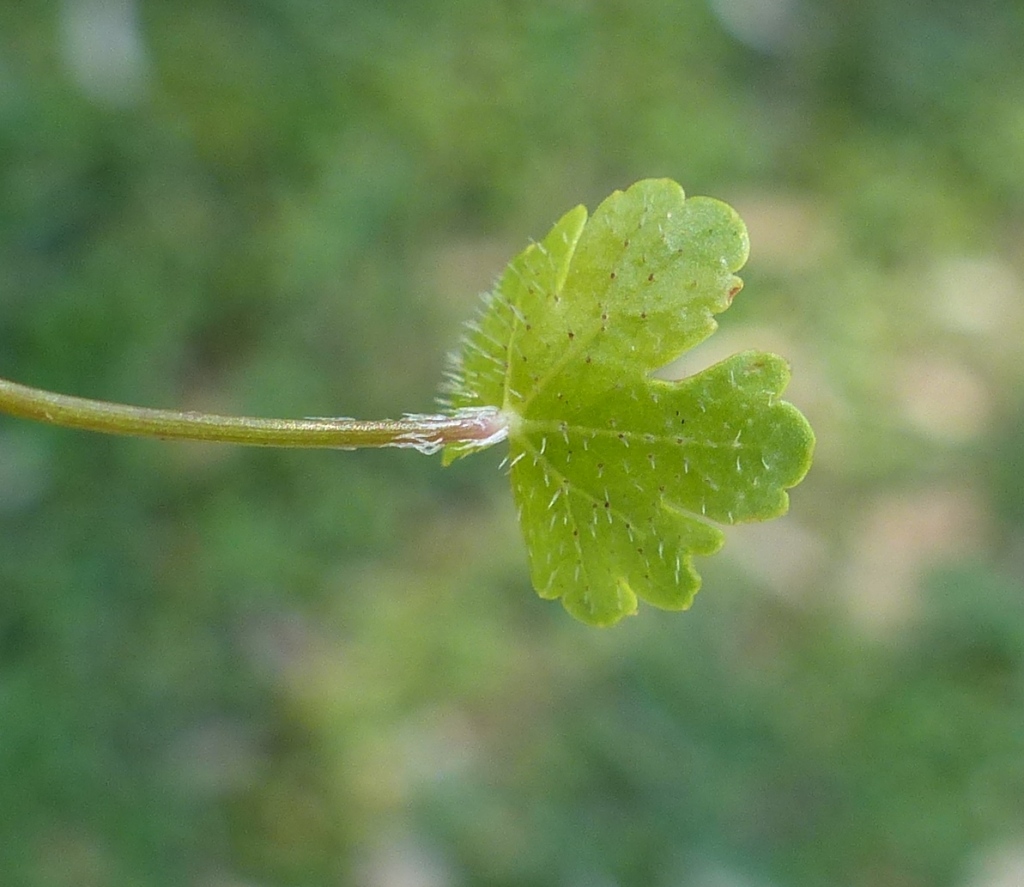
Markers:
point(620, 478)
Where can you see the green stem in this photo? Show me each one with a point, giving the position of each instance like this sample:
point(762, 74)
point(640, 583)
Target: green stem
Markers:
point(427, 434)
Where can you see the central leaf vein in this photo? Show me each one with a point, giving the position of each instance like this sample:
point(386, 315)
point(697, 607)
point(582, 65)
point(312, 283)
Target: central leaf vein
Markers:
point(567, 357)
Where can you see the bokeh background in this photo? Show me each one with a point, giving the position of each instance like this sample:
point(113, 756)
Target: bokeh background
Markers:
point(223, 667)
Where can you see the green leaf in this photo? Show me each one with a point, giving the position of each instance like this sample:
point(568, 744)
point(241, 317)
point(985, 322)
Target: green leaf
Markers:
point(620, 478)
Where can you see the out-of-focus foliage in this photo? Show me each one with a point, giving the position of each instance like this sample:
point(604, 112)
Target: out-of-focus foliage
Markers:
point(223, 667)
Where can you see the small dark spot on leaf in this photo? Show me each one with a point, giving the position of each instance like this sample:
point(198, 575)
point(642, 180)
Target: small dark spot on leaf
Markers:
point(612, 275)
point(650, 277)
point(572, 335)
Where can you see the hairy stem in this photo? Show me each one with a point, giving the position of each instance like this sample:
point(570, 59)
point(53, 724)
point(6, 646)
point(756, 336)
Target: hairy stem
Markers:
point(428, 434)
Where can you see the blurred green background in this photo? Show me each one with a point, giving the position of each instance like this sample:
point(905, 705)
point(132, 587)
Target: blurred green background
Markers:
point(223, 667)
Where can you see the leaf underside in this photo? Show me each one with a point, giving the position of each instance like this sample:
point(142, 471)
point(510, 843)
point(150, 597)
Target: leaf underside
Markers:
point(620, 478)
